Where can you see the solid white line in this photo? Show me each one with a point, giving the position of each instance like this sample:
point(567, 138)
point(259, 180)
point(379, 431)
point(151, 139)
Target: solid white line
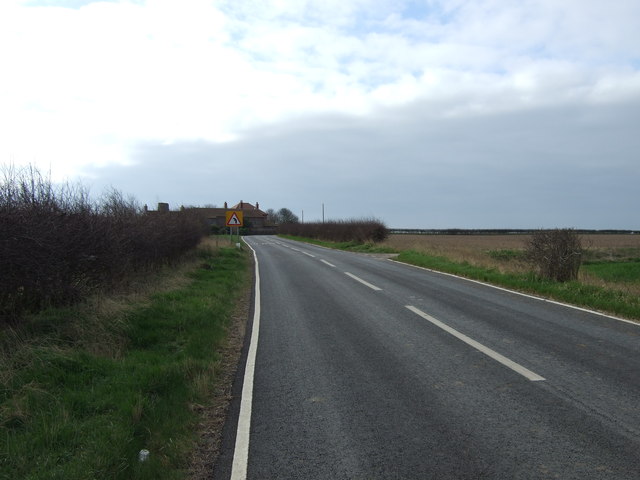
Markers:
point(330, 264)
point(534, 377)
point(541, 299)
point(372, 287)
point(241, 450)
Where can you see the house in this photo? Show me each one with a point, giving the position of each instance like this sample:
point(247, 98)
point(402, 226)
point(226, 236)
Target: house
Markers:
point(256, 221)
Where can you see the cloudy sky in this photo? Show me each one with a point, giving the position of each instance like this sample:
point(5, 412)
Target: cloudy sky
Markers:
point(422, 113)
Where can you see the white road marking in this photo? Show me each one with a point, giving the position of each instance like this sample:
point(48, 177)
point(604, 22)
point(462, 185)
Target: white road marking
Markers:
point(330, 264)
point(541, 299)
point(241, 450)
point(372, 287)
point(308, 254)
point(534, 377)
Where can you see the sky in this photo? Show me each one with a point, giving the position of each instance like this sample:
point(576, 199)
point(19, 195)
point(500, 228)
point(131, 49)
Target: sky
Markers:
point(420, 113)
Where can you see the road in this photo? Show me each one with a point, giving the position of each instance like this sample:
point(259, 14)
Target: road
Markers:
point(369, 369)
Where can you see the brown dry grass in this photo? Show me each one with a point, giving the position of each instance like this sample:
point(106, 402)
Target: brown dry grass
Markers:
point(463, 248)
point(499, 242)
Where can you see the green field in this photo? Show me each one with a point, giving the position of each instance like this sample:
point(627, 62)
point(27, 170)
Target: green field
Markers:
point(618, 272)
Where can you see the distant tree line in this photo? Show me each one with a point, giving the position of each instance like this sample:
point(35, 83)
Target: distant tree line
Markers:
point(57, 246)
point(496, 231)
point(360, 231)
point(282, 216)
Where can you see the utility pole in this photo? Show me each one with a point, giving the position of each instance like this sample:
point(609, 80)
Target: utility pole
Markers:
point(323, 213)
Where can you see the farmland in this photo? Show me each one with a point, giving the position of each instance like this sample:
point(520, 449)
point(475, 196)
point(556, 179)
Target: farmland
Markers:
point(473, 244)
point(610, 261)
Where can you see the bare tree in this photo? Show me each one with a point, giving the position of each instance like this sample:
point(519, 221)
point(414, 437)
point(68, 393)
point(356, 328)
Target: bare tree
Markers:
point(272, 216)
point(287, 216)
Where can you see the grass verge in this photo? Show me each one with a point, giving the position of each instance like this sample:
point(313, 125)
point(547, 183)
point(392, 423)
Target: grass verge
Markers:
point(606, 300)
point(82, 393)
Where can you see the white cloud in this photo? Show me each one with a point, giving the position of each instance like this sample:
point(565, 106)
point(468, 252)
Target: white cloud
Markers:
point(87, 84)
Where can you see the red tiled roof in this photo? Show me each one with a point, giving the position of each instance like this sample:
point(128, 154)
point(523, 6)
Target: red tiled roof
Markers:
point(249, 211)
point(247, 207)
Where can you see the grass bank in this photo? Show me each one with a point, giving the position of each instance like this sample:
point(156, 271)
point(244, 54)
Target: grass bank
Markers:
point(83, 390)
point(614, 301)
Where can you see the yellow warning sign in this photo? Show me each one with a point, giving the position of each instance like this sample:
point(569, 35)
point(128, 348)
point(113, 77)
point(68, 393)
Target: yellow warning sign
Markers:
point(234, 218)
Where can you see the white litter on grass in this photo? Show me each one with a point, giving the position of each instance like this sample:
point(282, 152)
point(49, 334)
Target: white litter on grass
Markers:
point(143, 455)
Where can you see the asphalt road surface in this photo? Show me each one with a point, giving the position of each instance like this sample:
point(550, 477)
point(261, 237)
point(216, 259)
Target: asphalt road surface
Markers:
point(369, 369)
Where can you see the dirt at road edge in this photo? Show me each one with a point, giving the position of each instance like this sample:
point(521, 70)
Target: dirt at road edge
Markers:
point(214, 414)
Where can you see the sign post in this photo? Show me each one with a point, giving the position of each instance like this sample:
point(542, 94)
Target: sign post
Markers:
point(234, 218)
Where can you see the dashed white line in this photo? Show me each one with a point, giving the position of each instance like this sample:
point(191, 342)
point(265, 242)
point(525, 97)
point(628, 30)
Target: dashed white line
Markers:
point(534, 297)
point(534, 377)
point(308, 254)
point(327, 263)
point(372, 287)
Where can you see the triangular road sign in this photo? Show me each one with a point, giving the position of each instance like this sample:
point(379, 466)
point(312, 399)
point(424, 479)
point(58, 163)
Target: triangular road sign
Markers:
point(234, 219)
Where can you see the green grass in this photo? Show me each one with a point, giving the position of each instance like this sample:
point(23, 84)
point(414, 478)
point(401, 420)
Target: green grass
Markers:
point(70, 412)
point(348, 246)
point(598, 298)
point(621, 272)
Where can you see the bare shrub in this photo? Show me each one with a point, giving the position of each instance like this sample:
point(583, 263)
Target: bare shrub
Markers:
point(359, 231)
point(56, 246)
point(556, 254)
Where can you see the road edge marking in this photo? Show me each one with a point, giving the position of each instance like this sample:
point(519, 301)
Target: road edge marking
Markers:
point(516, 367)
point(364, 282)
point(241, 449)
point(522, 294)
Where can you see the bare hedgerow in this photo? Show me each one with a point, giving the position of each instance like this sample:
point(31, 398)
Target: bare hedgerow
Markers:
point(56, 246)
point(360, 231)
point(556, 254)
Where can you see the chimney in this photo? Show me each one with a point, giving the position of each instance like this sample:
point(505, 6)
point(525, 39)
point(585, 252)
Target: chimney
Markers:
point(225, 205)
point(257, 206)
point(241, 205)
point(163, 207)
